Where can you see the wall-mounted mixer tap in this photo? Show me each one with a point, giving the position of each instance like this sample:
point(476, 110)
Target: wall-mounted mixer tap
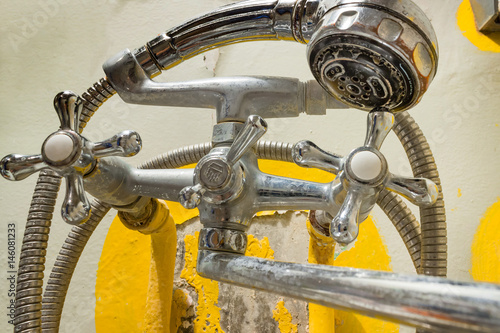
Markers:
point(373, 55)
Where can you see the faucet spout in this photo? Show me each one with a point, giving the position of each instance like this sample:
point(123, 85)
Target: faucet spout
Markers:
point(421, 301)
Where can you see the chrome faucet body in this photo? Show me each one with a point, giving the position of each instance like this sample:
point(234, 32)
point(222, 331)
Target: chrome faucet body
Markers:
point(378, 56)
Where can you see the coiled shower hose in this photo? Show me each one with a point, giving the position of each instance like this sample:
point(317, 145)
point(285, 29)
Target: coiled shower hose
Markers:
point(29, 314)
point(432, 219)
point(36, 233)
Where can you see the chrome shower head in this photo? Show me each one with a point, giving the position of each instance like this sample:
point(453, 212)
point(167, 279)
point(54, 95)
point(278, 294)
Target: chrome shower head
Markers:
point(372, 54)
point(366, 53)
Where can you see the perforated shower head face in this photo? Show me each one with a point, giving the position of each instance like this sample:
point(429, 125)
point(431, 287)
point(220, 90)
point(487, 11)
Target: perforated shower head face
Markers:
point(372, 54)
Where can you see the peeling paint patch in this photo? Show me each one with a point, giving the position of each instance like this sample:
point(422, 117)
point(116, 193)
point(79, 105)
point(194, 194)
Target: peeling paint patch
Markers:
point(321, 251)
point(284, 318)
point(486, 247)
point(211, 59)
point(182, 313)
point(259, 249)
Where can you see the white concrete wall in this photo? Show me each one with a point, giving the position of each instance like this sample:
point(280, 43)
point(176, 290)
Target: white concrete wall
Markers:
point(48, 46)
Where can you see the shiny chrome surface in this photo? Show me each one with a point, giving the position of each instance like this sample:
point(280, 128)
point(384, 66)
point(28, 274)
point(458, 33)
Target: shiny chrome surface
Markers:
point(358, 189)
point(486, 15)
point(255, 128)
point(125, 144)
point(226, 240)
point(365, 53)
point(378, 127)
point(217, 174)
point(117, 183)
point(229, 187)
point(373, 53)
point(356, 52)
point(307, 154)
point(70, 155)
point(18, 167)
point(426, 302)
point(238, 22)
point(234, 99)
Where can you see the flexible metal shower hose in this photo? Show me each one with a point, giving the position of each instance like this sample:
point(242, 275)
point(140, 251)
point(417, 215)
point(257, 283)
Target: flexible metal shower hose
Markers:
point(36, 233)
point(33, 250)
point(432, 219)
point(64, 266)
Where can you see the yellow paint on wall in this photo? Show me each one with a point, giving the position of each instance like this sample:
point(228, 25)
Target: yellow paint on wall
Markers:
point(259, 249)
point(466, 23)
point(207, 312)
point(486, 247)
point(181, 214)
point(123, 268)
point(459, 193)
point(321, 251)
point(286, 169)
point(369, 252)
point(131, 261)
point(161, 273)
point(284, 318)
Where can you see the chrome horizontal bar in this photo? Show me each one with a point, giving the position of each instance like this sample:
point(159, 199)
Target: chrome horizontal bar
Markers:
point(234, 98)
point(116, 183)
point(273, 192)
point(421, 301)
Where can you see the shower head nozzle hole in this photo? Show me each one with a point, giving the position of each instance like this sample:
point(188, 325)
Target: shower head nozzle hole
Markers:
point(355, 90)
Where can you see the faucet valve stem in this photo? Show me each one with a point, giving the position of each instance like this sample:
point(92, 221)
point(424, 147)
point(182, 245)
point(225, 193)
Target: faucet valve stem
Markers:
point(217, 172)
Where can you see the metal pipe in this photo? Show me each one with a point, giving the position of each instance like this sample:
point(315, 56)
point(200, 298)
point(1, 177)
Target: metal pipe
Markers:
point(421, 301)
point(234, 98)
point(117, 183)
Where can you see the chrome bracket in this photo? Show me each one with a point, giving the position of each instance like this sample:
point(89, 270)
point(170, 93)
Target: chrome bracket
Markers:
point(487, 15)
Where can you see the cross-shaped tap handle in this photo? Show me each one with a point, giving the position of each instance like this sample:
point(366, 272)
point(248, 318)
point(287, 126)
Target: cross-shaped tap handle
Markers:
point(70, 155)
point(364, 173)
